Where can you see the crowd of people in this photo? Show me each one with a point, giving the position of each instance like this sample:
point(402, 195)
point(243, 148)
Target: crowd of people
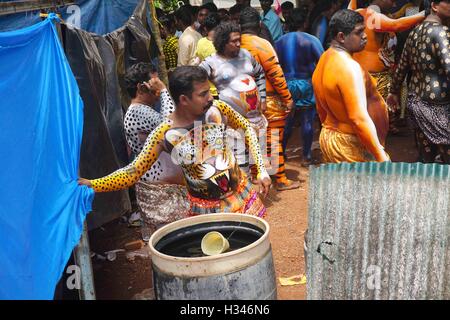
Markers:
point(238, 77)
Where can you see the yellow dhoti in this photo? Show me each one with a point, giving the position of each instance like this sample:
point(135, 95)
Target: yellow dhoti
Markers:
point(342, 147)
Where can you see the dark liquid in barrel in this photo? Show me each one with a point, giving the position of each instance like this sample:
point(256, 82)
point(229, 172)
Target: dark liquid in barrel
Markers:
point(186, 242)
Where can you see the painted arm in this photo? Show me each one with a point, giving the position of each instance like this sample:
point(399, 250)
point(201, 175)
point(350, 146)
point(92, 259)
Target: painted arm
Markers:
point(441, 39)
point(321, 30)
point(402, 68)
point(149, 119)
point(236, 121)
point(353, 5)
point(129, 175)
point(260, 78)
point(205, 65)
point(273, 71)
point(167, 105)
point(381, 23)
point(351, 84)
point(317, 49)
point(320, 110)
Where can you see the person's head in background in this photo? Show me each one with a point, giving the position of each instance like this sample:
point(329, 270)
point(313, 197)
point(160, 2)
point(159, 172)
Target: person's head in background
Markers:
point(250, 21)
point(227, 39)
point(195, 10)
point(211, 22)
point(286, 9)
point(439, 9)
point(235, 12)
point(297, 21)
point(167, 26)
point(159, 12)
point(223, 14)
point(134, 79)
point(347, 31)
point(211, 7)
point(202, 14)
point(325, 8)
point(184, 17)
point(243, 3)
point(306, 5)
point(266, 5)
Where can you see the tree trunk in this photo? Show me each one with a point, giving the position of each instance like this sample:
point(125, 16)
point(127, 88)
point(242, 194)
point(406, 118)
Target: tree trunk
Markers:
point(162, 59)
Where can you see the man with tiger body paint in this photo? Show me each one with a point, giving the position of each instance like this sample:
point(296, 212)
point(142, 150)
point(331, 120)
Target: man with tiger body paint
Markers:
point(196, 137)
point(279, 101)
point(353, 114)
point(378, 55)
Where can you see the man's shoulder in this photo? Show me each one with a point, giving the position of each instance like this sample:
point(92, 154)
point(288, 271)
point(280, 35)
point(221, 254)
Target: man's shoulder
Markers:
point(244, 53)
point(190, 34)
point(252, 40)
point(439, 32)
point(138, 108)
point(339, 61)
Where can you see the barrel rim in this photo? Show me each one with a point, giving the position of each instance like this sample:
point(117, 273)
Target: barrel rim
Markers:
point(213, 217)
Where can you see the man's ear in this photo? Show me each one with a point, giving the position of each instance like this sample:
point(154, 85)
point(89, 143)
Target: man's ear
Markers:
point(183, 99)
point(433, 7)
point(340, 37)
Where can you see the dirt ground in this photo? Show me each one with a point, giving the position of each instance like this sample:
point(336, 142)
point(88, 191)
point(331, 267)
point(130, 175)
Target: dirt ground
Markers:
point(287, 216)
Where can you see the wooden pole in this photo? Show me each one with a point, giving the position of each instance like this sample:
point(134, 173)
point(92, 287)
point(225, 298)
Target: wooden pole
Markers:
point(163, 75)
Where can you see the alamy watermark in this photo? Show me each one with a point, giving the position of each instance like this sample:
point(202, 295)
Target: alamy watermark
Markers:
point(75, 16)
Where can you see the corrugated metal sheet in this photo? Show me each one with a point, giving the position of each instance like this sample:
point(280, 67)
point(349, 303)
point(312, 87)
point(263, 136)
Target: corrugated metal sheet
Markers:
point(379, 231)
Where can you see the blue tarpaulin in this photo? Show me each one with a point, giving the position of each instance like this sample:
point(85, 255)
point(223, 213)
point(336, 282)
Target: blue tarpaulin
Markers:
point(42, 208)
point(97, 16)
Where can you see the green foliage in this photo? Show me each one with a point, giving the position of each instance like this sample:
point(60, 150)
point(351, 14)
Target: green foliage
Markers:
point(168, 5)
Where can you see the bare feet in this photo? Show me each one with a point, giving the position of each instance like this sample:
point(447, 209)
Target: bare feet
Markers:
point(288, 185)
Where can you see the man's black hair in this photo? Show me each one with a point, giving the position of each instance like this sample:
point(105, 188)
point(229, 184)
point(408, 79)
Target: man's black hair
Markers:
point(185, 15)
point(427, 5)
point(210, 6)
point(211, 21)
point(159, 12)
point(287, 5)
point(222, 35)
point(137, 73)
point(297, 19)
point(182, 80)
point(237, 8)
point(168, 21)
point(344, 21)
point(195, 10)
point(320, 7)
point(249, 19)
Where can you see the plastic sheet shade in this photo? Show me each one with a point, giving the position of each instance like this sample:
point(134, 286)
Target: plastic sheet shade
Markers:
point(379, 231)
point(97, 16)
point(42, 208)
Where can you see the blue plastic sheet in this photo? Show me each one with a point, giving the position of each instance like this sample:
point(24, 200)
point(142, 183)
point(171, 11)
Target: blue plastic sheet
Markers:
point(97, 16)
point(42, 208)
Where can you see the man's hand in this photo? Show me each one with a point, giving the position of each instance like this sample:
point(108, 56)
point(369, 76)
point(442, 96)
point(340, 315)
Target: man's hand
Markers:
point(84, 182)
point(264, 183)
point(154, 86)
point(290, 106)
point(392, 101)
point(263, 106)
point(157, 84)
